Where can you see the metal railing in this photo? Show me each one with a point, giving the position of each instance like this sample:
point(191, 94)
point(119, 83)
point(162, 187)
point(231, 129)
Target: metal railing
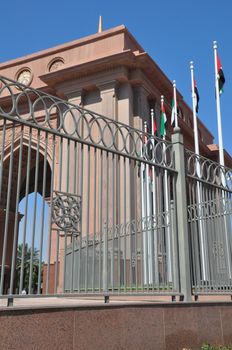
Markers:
point(89, 205)
point(69, 179)
point(137, 257)
point(210, 220)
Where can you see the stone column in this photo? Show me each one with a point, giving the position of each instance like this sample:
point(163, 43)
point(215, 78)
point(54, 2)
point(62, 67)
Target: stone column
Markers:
point(108, 99)
point(141, 107)
point(102, 183)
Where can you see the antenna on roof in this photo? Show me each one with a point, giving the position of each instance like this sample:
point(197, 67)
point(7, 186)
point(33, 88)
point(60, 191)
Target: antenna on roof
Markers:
point(100, 24)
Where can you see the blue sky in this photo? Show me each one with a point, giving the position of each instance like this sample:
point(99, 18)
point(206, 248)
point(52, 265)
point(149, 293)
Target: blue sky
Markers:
point(30, 220)
point(172, 32)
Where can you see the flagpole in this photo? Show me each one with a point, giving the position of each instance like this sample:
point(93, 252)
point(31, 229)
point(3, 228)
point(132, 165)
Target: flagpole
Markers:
point(221, 151)
point(175, 105)
point(142, 173)
point(153, 170)
point(219, 120)
point(199, 186)
point(196, 140)
point(148, 217)
point(154, 218)
point(166, 208)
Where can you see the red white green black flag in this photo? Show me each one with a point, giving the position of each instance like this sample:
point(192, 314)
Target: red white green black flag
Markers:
point(221, 77)
point(163, 121)
point(197, 98)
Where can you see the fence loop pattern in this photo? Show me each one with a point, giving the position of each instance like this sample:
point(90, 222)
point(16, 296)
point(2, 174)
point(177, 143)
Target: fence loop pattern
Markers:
point(206, 170)
point(209, 209)
point(148, 223)
point(72, 121)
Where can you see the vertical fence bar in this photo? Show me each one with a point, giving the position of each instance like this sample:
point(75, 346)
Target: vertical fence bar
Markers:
point(74, 235)
point(113, 222)
point(154, 230)
point(107, 211)
point(81, 223)
point(101, 219)
point(105, 259)
point(193, 236)
point(66, 233)
point(145, 229)
point(34, 212)
point(160, 229)
point(94, 219)
point(77, 238)
point(43, 213)
point(155, 195)
point(5, 236)
point(14, 250)
point(2, 156)
point(26, 210)
point(213, 229)
point(207, 238)
point(50, 216)
point(125, 231)
point(56, 280)
point(135, 171)
point(119, 220)
point(142, 216)
point(87, 222)
point(130, 230)
point(175, 261)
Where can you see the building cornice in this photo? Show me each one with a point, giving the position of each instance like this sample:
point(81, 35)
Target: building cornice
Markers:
point(70, 45)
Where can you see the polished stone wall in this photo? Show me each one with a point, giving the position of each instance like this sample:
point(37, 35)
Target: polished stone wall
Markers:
point(138, 326)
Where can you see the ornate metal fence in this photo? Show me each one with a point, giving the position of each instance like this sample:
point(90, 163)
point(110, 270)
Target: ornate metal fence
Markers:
point(89, 205)
point(209, 217)
point(136, 257)
point(86, 206)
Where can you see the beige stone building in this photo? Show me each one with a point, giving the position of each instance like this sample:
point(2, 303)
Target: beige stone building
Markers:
point(108, 73)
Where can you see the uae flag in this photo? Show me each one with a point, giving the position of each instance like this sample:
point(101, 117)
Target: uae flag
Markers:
point(221, 78)
point(163, 122)
point(173, 113)
point(197, 98)
point(155, 127)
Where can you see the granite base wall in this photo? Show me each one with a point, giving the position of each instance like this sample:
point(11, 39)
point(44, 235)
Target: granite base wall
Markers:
point(156, 327)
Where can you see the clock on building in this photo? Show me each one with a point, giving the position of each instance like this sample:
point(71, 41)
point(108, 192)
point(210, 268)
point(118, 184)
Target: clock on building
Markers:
point(24, 76)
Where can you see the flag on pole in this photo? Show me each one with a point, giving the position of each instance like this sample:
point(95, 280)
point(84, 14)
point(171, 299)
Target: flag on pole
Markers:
point(147, 144)
point(221, 77)
point(163, 121)
point(197, 98)
point(173, 112)
point(219, 82)
point(141, 167)
point(154, 126)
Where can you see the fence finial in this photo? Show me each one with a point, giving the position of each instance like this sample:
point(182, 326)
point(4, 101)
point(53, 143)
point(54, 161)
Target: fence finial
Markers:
point(100, 24)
